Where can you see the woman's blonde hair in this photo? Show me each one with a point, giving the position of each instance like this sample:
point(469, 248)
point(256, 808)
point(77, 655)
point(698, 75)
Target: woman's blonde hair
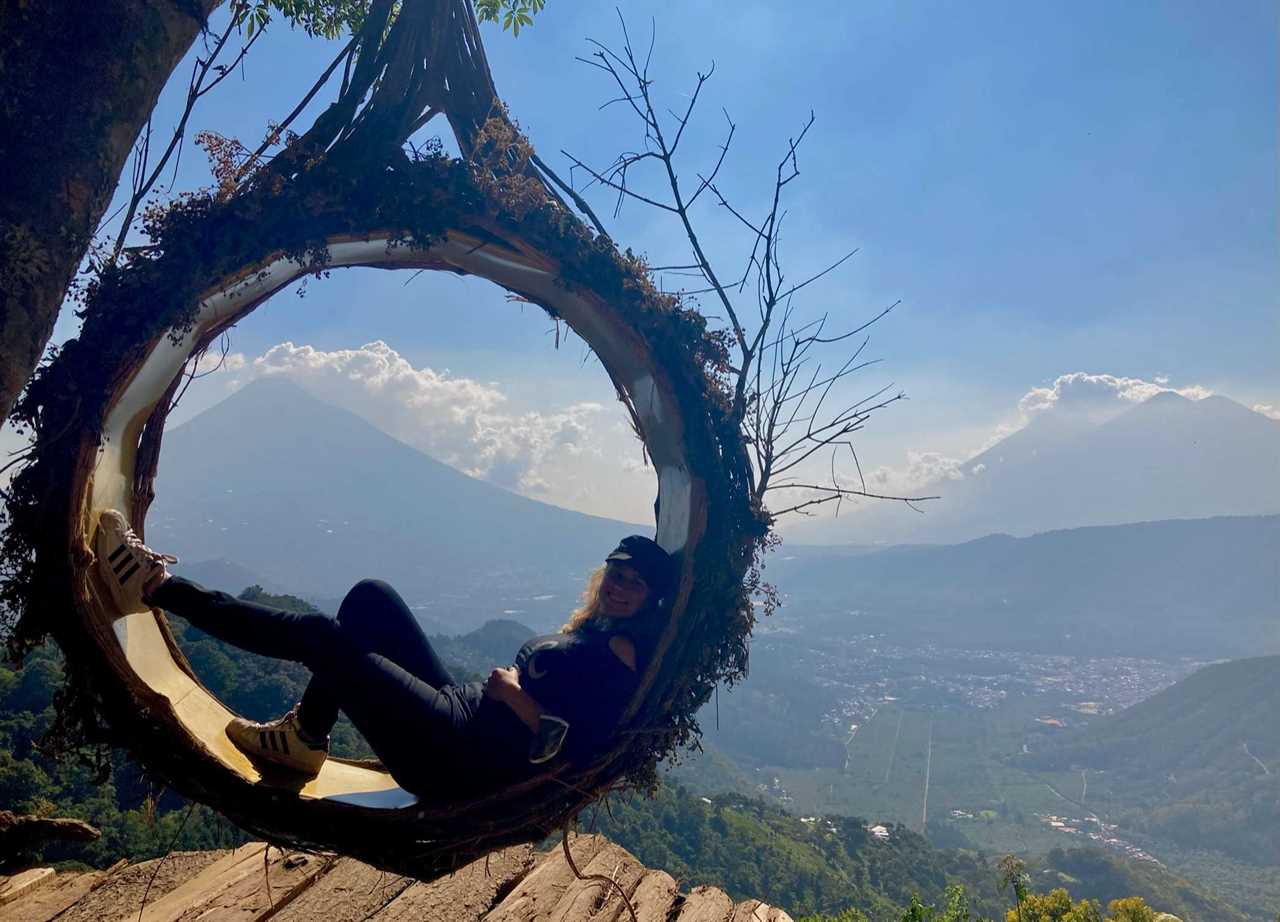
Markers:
point(590, 602)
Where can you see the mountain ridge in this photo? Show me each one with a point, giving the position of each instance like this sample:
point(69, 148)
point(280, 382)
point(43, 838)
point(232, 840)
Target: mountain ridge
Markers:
point(267, 478)
point(1168, 457)
point(1204, 588)
point(323, 499)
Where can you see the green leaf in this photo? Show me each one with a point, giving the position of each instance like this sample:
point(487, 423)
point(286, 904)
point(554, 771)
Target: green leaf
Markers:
point(512, 14)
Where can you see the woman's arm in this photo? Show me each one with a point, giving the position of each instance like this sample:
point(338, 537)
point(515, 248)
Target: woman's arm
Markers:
point(504, 685)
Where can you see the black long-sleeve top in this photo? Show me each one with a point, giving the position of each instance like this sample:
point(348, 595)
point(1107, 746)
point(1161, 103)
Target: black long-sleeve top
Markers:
point(578, 678)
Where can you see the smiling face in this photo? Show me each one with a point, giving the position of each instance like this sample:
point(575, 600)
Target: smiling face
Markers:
point(623, 592)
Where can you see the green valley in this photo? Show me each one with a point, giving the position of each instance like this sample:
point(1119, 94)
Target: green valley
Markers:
point(1028, 767)
point(819, 856)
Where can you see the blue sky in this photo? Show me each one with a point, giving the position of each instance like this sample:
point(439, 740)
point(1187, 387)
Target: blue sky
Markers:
point(1047, 188)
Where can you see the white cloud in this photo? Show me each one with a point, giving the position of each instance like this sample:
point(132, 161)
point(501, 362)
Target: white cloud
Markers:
point(569, 455)
point(922, 468)
point(1267, 410)
point(1098, 395)
point(214, 361)
point(1094, 397)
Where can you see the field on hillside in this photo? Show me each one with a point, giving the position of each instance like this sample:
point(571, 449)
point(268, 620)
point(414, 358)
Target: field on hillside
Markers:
point(964, 774)
point(968, 759)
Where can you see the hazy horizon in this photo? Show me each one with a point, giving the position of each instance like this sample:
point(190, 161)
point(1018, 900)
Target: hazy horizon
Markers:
point(1071, 409)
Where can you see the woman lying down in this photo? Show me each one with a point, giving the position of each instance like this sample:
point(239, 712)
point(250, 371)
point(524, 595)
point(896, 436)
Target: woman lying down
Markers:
point(564, 694)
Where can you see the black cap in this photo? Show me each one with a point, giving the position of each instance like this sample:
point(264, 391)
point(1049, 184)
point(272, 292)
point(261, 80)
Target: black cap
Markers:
point(655, 566)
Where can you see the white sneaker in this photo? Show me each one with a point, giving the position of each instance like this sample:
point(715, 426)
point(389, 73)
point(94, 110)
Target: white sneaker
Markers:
point(280, 741)
point(125, 562)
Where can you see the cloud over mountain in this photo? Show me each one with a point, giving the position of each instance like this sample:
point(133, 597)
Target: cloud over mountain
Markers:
point(312, 497)
point(921, 469)
point(1089, 449)
point(576, 455)
point(1098, 395)
point(1077, 396)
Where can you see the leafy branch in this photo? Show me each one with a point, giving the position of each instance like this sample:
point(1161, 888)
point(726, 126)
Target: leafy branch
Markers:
point(513, 14)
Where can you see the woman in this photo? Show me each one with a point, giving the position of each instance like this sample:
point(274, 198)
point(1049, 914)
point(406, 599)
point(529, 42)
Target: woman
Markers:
point(564, 694)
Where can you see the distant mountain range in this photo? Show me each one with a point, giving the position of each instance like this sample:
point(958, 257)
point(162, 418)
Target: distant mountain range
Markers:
point(1202, 588)
point(275, 487)
point(1168, 457)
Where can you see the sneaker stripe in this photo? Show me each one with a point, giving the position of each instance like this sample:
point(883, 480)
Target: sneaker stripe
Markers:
point(262, 739)
point(124, 578)
point(121, 564)
point(116, 553)
point(284, 742)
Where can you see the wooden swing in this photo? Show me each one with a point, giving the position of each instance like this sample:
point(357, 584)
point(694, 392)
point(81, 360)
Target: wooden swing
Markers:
point(97, 411)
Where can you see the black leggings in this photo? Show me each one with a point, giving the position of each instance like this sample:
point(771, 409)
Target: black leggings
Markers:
point(374, 663)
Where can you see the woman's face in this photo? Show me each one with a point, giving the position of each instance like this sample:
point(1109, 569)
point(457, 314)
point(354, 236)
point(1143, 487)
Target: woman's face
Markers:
point(623, 591)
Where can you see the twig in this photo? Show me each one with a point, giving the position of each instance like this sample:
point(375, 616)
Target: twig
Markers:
point(568, 190)
point(344, 54)
point(266, 875)
point(174, 841)
point(195, 90)
point(608, 881)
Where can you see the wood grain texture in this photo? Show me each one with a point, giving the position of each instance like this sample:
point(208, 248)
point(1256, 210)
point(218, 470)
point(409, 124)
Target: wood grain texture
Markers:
point(255, 883)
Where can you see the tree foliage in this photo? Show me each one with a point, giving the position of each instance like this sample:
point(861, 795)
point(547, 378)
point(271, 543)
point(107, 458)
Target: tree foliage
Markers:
point(322, 18)
point(513, 14)
point(1057, 906)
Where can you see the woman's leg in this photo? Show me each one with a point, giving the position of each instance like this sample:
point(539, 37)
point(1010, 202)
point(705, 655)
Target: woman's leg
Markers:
point(415, 729)
point(257, 628)
point(374, 619)
point(397, 713)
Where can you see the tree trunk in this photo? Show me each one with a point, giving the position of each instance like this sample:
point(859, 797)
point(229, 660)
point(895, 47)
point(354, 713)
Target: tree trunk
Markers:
point(77, 83)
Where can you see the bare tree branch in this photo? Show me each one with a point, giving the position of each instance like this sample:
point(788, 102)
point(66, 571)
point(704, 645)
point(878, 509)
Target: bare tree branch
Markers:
point(143, 182)
point(834, 494)
point(781, 391)
point(343, 55)
point(568, 190)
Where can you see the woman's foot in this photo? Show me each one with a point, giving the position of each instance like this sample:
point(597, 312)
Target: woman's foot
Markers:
point(127, 565)
point(282, 742)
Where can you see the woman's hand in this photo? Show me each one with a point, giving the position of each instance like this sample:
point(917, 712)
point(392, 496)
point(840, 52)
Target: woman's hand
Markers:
point(503, 684)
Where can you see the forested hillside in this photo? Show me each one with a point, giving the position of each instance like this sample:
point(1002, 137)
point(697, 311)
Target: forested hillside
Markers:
point(827, 864)
point(138, 818)
point(1198, 763)
point(746, 846)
